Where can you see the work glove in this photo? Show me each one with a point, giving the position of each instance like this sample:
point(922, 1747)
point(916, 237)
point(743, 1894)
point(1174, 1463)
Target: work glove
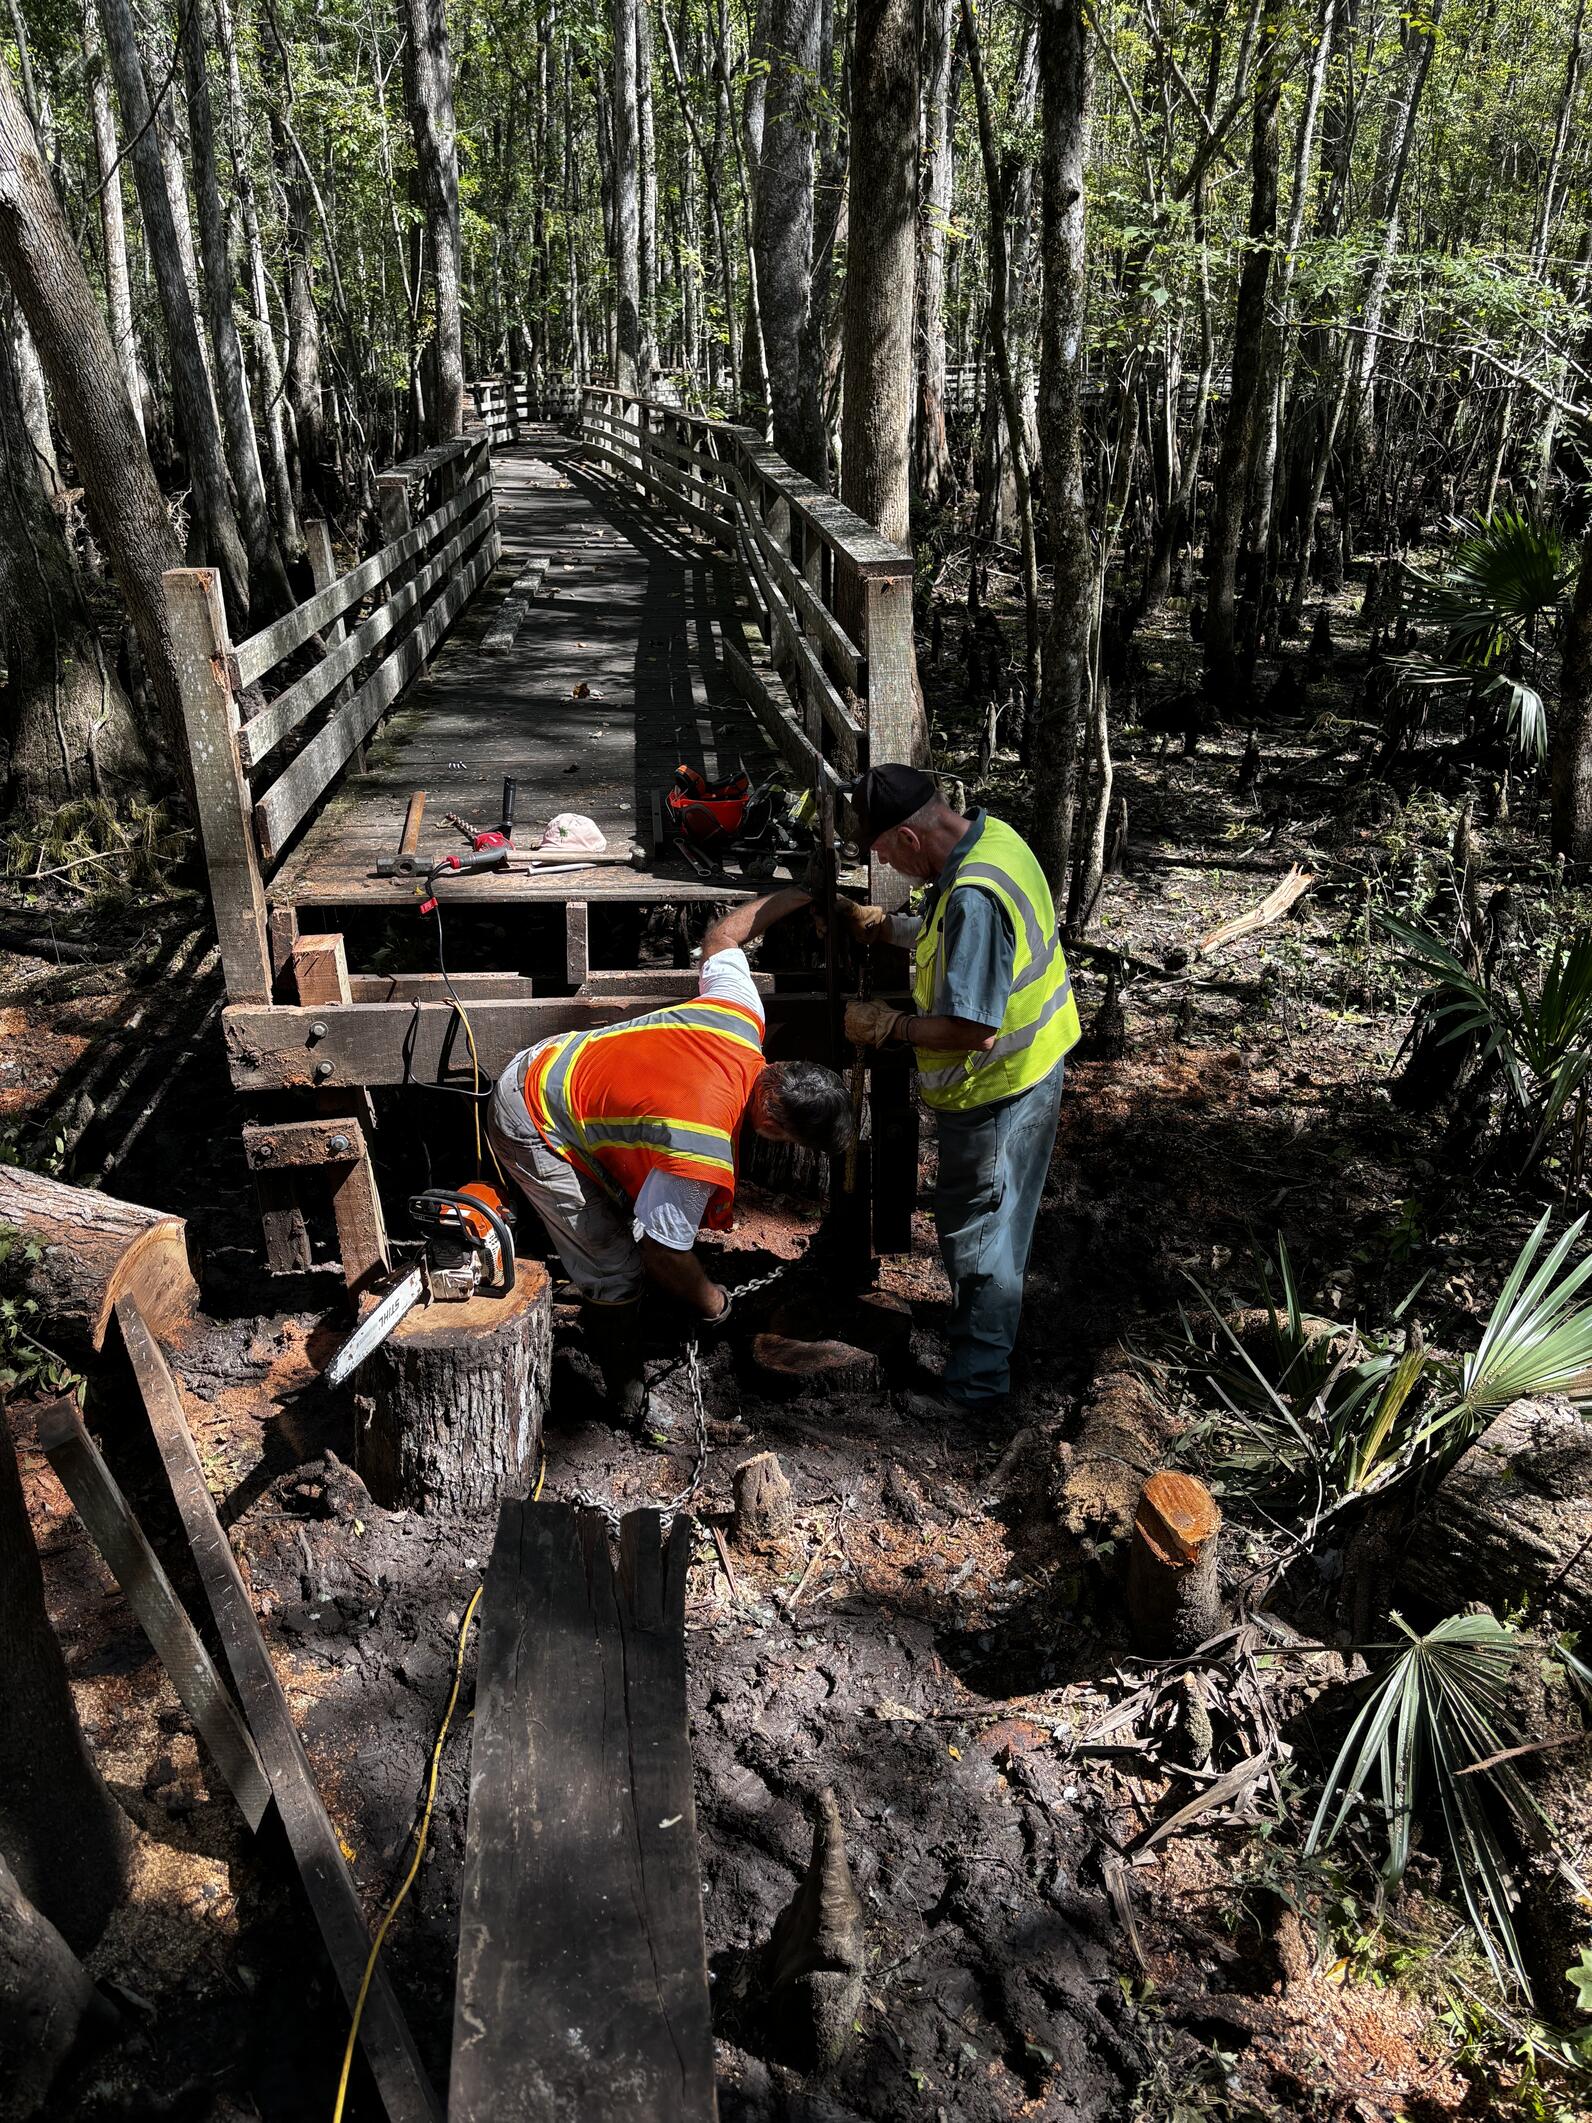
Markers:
point(868, 925)
point(875, 1024)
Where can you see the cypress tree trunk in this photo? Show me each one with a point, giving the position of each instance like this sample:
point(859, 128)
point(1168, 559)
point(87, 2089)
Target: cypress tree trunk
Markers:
point(113, 227)
point(881, 268)
point(129, 516)
point(429, 74)
point(627, 203)
point(939, 40)
point(783, 234)
point(266, 572)
point(1067, 76)
point(66, 721)
point(63, 1835)
point(217, 537)
point(1571, 763)
point(647, 200)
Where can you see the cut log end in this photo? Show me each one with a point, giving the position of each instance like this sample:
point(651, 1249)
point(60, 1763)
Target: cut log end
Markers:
point(805, 1369)
point(1174, 1599)
point(92, 1250)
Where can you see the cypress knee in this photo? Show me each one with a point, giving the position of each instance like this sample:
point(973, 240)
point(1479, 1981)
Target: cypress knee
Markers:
point(1174, 1602)
point(456, 1397)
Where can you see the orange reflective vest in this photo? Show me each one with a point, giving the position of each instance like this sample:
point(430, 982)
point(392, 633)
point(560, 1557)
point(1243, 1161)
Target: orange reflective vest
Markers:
point(661, 1093)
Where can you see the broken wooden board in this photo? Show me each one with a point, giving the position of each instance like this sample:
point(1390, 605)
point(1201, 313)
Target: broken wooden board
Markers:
point(384, 2034)
point(511, 615)
point(582, 1985)
point(99, 1503)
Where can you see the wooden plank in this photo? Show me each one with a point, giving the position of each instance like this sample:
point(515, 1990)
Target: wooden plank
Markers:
point(423, 1042)
point(577, 946)
point(660, 983)
point(202, 655)
point(389, 2047)
point(711, 522)
point(849, 659)
point(300, 785)
point(116, 1533)
point(513, 611)
point(320, 974)
point(847, 730)
point(287, 1236)
point(582, 1985)
point(271, 1146)
point(764, 692)
point(263, 732)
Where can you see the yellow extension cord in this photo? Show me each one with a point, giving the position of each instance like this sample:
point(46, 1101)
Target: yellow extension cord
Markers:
point(397, 1901)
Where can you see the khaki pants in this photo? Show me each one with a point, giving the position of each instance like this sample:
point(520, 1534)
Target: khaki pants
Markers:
point(594, 1241)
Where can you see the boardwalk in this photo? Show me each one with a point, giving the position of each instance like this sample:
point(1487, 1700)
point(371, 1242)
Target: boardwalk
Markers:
point(615, 676)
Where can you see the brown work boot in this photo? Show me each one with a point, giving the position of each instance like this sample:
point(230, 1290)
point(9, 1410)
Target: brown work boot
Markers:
point(612, 1335)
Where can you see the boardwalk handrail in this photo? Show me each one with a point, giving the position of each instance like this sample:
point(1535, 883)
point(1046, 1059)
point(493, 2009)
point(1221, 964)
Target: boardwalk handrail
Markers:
point(831, 599)
point(272, 721)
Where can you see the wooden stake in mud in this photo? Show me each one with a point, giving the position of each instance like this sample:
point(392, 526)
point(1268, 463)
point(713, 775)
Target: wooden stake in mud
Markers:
point(1174, 1602)
point(762, 1500)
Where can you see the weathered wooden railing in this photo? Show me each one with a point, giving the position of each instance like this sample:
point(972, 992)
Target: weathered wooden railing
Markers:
point(506, 403)
point(273, 720)
point(831, 675)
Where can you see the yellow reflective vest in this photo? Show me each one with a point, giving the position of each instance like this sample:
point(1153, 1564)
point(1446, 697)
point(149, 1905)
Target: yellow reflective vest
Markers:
point(1041, 1021)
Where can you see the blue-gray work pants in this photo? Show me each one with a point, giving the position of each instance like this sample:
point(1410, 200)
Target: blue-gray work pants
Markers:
point(993, 1162)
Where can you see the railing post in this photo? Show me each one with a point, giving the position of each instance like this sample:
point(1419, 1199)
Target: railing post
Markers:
point(883, 612)
point(210, 720)
point(511, 406)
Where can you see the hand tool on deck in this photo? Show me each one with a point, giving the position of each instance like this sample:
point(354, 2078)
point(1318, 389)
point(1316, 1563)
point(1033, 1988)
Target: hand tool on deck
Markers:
point(408, 859)
point(469, 1252)
point(490, 849)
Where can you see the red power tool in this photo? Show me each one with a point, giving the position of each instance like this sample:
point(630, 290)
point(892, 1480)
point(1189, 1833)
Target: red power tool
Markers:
point(489, 850)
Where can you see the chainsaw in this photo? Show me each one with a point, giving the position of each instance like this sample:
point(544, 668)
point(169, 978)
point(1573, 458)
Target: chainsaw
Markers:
point(469, 1252)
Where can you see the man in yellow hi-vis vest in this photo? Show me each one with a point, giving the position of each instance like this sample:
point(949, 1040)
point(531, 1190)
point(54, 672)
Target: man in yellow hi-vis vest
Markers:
point(993, 1016)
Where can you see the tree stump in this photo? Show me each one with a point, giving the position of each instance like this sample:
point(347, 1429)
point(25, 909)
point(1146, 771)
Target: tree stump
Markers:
point(93, 1250)
point(802, 1370)
point(456, 1398)
point(815, 1959)
point(49, 2008)
point(762, 1500)
point(1174, 1602)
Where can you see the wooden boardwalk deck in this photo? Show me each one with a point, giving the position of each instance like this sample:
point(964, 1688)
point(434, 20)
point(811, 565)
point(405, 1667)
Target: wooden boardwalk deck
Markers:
point(632, 609)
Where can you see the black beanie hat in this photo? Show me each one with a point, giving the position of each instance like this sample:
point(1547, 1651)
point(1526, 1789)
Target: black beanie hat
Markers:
point(885, 797)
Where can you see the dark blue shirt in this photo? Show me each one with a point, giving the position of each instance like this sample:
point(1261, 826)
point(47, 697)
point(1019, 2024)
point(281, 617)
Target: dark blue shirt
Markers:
point(978, 949)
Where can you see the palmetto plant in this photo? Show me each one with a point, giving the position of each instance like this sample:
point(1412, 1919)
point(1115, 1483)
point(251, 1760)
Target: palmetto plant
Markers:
point(1497, 595)
point(1542, 1041)
point(1435, 1727)
point(1326, 1413)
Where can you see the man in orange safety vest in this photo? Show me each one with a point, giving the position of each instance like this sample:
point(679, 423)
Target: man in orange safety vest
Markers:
point(624, 1138)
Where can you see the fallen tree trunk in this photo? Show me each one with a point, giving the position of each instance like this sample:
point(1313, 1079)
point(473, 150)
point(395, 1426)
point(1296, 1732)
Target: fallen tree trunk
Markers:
point(1122, 1438)
point(1511, 1523)
point(84, 1251)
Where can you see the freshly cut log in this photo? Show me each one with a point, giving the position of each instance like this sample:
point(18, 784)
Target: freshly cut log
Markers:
point(95, 1250)
point(1174, 1601)
point(1122, 1438)
point(456, 1397)
point(1511, 1522)
point(49, 2008)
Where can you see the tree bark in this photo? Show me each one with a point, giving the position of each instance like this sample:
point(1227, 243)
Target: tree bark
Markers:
point(62, 1834)
point(266, 572)
point(303, 323)
point(881, 269)
point(50, 2011)
point(939, 43)
point(1570, 765)
point(92, 1249)
point(783, 235)
point(113, 226)
point(429, 73)
point(216, 535)
point(458, 1394)
point(627, 201)
point(1066, 67)
point(646, 200)
point(130, 518)
point(68, 727)
point(1251, 328)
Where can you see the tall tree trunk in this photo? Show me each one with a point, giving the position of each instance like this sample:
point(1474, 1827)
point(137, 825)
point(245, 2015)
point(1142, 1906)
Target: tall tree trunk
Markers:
point(130, 519)
point(627, 200)
point(216, 527)
point(1066, 73)
point(939, 43)
point(66, 722)
point(303, 324)
point(1571, 762)
point(1244, 409)
point(266, 573)
point(783, 234)
point(429, 74)
point(646, 198)
point(62, 1834)
point(881, 269)
point(711, 172)
point(270, 367)
point(113, 226)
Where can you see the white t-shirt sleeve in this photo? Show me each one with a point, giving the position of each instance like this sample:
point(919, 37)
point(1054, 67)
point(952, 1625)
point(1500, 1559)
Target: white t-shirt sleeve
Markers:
point(727, 978)
point(670, 1209)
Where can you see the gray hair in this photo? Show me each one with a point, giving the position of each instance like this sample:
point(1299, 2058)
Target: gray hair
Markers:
point(811, 1103)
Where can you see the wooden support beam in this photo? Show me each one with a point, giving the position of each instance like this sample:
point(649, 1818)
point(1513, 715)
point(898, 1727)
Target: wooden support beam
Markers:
point(269, 1147)
point(320, 975)
point(116, 1533)
point(210, 718)
point(577, 947)
point(582, 1984)
point(389, 2046)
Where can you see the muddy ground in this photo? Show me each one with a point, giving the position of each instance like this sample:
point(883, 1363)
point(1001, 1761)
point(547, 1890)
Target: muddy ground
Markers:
point(930, 1642)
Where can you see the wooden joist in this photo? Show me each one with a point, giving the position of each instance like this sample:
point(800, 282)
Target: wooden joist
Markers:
point(582, 1985)
point(99, 1503)
point(389, 2046)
